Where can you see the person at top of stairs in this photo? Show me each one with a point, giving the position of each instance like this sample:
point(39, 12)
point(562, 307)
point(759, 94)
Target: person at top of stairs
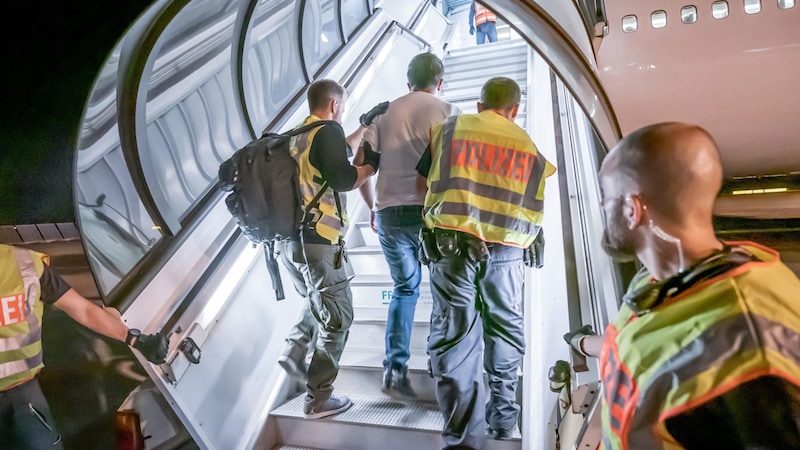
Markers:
point(484, 22)
point(400, 136)
point(482, 213)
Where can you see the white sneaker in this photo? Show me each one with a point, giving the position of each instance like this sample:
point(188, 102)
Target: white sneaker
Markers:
point(334, 404)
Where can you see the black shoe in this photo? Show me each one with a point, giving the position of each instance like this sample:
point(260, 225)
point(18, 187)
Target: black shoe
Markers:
point(502, 434)
point(397, 385)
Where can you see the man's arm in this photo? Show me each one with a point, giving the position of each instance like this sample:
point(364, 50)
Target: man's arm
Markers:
point(328, 153)
point(471, 13)
point(106, 321)
point(355, 138)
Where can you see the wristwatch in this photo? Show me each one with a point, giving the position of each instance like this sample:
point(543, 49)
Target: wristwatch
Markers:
point(132, 333)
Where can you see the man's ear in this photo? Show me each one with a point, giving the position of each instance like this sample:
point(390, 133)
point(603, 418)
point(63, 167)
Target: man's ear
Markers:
point(334, 105)
point(410, 89)
point(633, 211)
point(480, 107)
point(513, 112)
point(439, 86)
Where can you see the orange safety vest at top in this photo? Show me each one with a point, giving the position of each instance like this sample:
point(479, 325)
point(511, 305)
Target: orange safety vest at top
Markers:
point(482, 15)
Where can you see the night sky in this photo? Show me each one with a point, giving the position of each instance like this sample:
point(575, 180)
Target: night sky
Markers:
point(52, 52)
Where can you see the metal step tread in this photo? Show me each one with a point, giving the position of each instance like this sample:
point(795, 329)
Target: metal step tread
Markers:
point(365, 250)
point(372, 358)
point(375, 411)
point(487, 48)
point(292, 447)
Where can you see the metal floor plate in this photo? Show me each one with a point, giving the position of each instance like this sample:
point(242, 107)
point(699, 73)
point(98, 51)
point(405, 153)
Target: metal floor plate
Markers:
point(377, 411)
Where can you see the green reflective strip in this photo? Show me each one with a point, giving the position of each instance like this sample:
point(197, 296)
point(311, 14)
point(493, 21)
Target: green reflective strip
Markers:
point(724, 341)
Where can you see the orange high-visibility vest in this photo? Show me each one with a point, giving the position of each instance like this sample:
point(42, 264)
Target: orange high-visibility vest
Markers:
point(482, 15)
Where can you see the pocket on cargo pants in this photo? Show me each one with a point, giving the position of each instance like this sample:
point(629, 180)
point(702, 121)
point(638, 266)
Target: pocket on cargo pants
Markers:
point(331, 299)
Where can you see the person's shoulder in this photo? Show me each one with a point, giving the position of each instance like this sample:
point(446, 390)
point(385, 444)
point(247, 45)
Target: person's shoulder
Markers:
point(329, 129)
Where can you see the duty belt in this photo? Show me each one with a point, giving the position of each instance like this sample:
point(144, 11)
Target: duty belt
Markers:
point(440, 243)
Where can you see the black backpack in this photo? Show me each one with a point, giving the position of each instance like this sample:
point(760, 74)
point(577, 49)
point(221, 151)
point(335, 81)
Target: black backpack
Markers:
point(265, 198)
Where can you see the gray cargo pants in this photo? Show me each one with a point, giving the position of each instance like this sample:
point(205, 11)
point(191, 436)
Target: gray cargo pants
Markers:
point(329, 313)
point(476, 303)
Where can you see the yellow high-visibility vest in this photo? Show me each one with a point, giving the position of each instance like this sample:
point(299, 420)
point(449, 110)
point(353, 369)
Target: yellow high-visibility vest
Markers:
point(486, 179)
point(717, 335)
point(326, 221)
point(20, 315)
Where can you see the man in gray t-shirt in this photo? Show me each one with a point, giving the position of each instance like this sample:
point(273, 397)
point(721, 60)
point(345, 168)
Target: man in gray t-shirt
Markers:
point(401, 136)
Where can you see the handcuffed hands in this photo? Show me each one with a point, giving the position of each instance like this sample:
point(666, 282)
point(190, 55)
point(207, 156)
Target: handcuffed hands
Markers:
point(367, 118)
point(153, 347)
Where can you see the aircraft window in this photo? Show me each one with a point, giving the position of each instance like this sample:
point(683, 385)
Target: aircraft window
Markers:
point(785, 4)
point(320, 30)
point(752, 6)
point(719, 10)
point(630, 24)
point(658, 19)
point(689, 14)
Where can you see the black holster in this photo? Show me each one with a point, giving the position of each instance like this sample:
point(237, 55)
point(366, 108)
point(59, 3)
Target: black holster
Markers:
point(427, 250)
point(439, 243)
point(534, 255)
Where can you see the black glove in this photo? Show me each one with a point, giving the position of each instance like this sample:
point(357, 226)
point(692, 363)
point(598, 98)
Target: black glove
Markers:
point(153, 347)
point(558, 375)
point(471, 30)
point(367, 118)
point(371, 157)
point(574, 337)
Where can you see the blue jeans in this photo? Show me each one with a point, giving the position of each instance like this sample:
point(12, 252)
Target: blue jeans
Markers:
point(398, 231)
point(486, 30)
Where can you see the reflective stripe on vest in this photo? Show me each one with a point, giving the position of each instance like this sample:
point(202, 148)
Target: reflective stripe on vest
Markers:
point(486, 179)
point(20, 318)
point(326, 220)
point(482, 15)
point(697, 347)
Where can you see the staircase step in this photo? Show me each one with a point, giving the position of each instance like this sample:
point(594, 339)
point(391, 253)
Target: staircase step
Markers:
point(292, 447)
point(361, 370)
point(373, 334)
point(372, 422)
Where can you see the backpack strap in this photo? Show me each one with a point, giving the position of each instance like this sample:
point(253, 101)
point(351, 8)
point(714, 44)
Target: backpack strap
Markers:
point(305, 128)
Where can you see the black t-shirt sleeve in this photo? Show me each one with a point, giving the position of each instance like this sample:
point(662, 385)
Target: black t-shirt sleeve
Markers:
point(425, 162)
point(53, 286)
point(328, 153)
point(761, 414)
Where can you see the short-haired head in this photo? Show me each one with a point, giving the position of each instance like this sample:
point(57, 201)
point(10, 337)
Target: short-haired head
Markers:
point(321, 92)
point(674, 167)
point(500, 94)
point(425, 71)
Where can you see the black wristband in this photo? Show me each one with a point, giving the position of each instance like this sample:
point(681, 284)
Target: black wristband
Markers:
point(132, 333)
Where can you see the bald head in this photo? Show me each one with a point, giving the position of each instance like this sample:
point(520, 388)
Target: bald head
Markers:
point(674, 167)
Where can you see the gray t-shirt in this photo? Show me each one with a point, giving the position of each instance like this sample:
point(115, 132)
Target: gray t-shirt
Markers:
point(401, 135)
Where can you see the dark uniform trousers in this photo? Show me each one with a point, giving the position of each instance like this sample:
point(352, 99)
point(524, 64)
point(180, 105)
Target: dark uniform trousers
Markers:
point(477, 303)
point(319, 274)
point(25, 412)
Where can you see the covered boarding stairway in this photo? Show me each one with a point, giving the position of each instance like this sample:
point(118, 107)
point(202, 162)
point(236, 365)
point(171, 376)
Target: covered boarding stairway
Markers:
point(192, 81)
